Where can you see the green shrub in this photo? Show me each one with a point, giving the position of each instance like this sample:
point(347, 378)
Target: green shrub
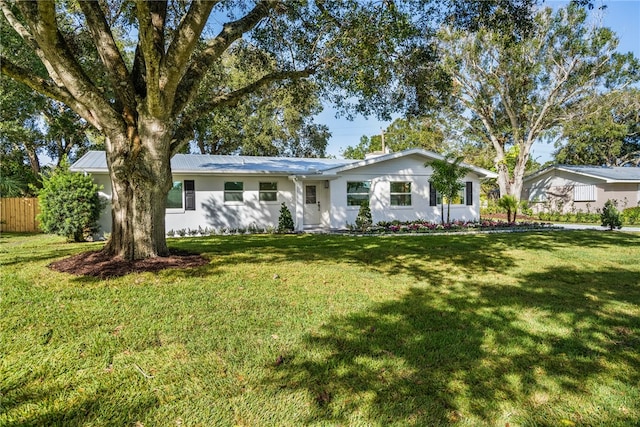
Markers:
point(69, 204)
point(610, 215)
point(525, 208)
point(631, 215)
point(285, 221)
point(510, 205)
point(364, 220)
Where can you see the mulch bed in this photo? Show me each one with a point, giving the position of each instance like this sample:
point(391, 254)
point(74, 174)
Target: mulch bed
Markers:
point(102, 265)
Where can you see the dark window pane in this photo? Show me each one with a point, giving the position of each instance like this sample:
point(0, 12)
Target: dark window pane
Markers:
point(232, 196)
point(358, 187)
point(401, 187)
point(268, 196)
point(233, 186)
point(356, 199)
point(266, 186)
point(310, 194)
point(401, 200)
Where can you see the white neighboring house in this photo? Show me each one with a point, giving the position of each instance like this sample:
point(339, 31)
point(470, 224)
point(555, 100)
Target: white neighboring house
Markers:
point(563, 187)
point(322, 194)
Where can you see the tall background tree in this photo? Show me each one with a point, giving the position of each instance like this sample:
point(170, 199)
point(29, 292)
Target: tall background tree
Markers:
point(132, 69)
point(404, 133)
point(605, 132)
point(514, 91)
point(275, 120)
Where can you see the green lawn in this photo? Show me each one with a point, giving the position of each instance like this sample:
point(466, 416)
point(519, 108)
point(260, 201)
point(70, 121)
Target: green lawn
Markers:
point(520, 328)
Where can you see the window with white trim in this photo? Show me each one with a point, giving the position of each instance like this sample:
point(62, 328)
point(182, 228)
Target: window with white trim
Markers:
point(357, 192)
point(233, 191)
point(268, 192)
point(400, 193)
point(174, 198)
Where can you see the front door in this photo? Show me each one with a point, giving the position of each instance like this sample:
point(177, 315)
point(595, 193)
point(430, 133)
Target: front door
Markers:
point(311, 205)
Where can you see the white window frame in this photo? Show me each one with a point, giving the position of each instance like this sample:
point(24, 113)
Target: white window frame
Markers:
point(234, 191)
point(180, 208)
point(271, 191)
point(397, 193)
point(363, 195)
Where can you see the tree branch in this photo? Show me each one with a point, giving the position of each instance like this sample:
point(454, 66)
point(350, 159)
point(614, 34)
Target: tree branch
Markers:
point(184, 43)
point(231, 99)
point(109, 52)
point(151, 17)
point(41, 18)
point(44, 87)
point(29, 39)
point(230, 32)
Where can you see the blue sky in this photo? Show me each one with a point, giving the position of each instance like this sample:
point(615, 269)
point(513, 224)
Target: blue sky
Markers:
point(622, 16)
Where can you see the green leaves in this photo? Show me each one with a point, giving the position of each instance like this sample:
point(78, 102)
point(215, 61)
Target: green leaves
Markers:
point(69, 204)
point(447, 178)
point(514, 92)
point(605, 132)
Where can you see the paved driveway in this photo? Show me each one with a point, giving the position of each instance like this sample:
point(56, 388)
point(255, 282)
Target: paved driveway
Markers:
point(634, 229)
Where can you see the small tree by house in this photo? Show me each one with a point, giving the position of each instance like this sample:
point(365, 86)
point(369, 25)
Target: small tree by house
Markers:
point(610, 215)
point(364, 220)
point(285, 221)
point(510, 204)
point(446, 179)
point(69, 204)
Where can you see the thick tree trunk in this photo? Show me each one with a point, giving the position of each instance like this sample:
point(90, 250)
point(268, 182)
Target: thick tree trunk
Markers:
point(140, 172)
point(504, 180)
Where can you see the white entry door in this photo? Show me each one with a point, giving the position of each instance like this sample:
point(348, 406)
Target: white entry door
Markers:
point(311, 205)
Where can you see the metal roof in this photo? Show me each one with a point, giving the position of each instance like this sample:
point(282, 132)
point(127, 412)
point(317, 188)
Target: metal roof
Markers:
point(96, 161)
point(606, 173)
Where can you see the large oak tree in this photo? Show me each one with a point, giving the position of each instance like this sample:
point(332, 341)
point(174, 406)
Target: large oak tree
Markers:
point(146, 61)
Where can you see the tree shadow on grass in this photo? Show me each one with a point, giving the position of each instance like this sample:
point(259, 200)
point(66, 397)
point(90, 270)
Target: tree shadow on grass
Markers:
point(425, 258)
point(26, 404)
point(438, 356)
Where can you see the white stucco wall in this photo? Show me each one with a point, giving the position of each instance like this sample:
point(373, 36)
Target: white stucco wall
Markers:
point(211, 210)
point(407, 169)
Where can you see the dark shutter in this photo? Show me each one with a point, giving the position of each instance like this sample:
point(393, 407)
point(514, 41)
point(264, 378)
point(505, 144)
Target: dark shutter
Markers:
point(469, 193)
point(189, 195)
point(432, 195)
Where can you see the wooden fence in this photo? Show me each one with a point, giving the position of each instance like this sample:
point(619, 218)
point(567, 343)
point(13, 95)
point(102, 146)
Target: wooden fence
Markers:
point(19, 214)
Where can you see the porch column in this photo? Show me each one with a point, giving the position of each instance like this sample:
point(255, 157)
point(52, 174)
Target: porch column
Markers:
point(299, 209)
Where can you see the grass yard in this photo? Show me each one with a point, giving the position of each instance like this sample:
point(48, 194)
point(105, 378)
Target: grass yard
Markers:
point(488, 329)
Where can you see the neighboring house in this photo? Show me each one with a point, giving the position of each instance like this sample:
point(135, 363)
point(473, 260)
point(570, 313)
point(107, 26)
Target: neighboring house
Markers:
point(241, 191)
point(587, 188)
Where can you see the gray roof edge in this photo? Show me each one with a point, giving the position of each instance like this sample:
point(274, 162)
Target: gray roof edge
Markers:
point(589, 171)
point(96, 162)
point(484, 173)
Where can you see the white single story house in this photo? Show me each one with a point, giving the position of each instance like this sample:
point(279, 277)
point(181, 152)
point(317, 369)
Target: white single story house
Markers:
point(587, 188)
point(322, 194)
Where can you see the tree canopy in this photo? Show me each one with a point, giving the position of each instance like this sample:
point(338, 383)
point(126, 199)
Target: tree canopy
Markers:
point(514, 92)
point(134, 71)
point(606, 132)
point(402, 134)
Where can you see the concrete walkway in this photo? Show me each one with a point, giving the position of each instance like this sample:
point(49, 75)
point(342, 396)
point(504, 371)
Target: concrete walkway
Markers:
point(633, 229)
